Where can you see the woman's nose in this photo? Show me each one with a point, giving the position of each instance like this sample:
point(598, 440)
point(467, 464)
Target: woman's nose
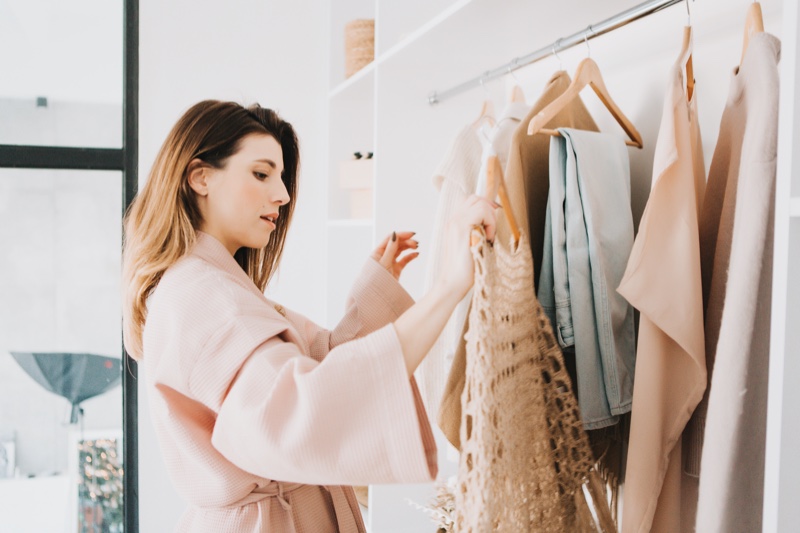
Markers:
point(282, 195)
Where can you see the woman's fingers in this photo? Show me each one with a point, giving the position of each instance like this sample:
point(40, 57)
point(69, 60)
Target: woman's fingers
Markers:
point(480, 211)
point(406, 259)
point(390, 251)
point(489, 219)
point(402, 236)
point(408, 244)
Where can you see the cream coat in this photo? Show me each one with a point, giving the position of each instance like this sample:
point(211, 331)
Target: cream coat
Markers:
point(738, 217)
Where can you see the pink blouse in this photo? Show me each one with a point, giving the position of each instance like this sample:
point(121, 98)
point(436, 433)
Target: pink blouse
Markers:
point(265, 420)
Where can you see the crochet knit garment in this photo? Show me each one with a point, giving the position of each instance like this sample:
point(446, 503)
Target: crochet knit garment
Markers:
point(525, 455)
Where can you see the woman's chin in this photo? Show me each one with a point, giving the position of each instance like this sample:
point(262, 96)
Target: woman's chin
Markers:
point(261, 240)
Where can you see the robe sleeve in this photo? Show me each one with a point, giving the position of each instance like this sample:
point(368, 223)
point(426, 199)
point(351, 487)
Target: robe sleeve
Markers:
point(376, 299)
point(354, 418)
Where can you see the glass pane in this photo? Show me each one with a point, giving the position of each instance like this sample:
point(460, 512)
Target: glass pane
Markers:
point(61, 82)
point(60, 351)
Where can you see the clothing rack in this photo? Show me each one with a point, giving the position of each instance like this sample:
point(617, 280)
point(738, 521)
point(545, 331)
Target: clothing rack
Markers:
point(593, 30)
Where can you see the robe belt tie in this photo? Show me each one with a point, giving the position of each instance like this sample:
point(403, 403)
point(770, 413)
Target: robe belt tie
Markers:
point(348, 514)
point(278, 489)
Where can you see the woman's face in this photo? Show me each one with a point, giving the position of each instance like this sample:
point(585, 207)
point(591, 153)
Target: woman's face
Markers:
point(239, 202)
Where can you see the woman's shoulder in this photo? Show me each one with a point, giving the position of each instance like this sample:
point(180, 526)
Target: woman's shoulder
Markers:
point(193, 302)
point(193, 285)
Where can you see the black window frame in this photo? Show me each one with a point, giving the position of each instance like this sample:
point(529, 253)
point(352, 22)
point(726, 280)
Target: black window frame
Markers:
point(123, 159)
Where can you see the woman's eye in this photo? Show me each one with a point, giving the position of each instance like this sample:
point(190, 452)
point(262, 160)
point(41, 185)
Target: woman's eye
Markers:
point(260, 175)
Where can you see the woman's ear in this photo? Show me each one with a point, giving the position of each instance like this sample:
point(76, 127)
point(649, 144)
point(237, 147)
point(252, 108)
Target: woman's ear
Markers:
point(197, 175)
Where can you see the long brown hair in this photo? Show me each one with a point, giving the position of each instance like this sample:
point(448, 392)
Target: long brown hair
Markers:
point(160, 225)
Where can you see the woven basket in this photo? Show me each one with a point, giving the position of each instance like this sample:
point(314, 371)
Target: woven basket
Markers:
point(359, 45)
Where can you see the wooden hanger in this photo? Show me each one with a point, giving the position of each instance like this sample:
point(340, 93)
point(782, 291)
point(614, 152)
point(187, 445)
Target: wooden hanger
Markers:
point(685, 58)
point(487, 113)
point(517, 95)
point(496, 185)
point(588, 73)
point(754, 23)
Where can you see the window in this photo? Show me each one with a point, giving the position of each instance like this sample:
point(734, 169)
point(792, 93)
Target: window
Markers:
point(68, 151)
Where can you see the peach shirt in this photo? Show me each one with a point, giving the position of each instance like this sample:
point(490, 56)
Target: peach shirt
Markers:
point(663, 281)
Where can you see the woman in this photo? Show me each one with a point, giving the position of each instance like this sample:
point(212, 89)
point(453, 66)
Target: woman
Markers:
point(263, 417)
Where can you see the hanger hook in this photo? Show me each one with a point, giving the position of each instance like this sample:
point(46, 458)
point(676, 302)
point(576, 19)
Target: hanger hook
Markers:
point(512, 67)
point(484, 85)
point(557, 44)
point(586, 40)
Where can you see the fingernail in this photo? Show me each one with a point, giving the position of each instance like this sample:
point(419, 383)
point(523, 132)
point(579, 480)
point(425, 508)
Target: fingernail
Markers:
point(394, 236)
point(413, 233)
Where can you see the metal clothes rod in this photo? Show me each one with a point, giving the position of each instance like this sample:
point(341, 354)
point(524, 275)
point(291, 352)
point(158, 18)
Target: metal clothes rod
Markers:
point(593, 30)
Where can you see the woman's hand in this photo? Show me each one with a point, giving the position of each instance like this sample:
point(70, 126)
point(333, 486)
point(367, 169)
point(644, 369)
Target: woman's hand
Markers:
point(419, 327)
point(388, 252)
point(458, 270)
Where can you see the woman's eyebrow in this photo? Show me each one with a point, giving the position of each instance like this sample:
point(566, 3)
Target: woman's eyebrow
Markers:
point(267, 161)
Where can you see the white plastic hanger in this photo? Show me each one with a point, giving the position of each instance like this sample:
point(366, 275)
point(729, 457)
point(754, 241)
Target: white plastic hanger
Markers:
point(487, 109)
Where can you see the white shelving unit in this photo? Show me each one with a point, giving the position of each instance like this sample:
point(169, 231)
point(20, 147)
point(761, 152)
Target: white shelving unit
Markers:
point(422, 45)
point(782, 468)
point(794, 207)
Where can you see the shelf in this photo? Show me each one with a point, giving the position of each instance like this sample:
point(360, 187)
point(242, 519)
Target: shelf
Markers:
point(355, 80)
point(350, 223)
point(345, 86)
point(348, 85)
point(794, 207)
point(448, 48)
point(424, 29)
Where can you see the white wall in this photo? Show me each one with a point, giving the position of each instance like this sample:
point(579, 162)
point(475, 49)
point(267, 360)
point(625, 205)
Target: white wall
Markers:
point(263, 51)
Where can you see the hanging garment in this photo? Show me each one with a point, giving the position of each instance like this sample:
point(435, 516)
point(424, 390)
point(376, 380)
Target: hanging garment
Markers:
point(528, 169)
point(524, 455)
point(526, 177)
point(588, 239)
point(455, 179)
point(495, 140)
point(736, 243)
point(663, 282)
point(263, 416)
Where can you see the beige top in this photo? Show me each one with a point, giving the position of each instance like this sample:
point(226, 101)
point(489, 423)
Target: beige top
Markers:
point(737, 226)
point(263, 417)
point(524, 457)
point(455, 179)
point(663, 282)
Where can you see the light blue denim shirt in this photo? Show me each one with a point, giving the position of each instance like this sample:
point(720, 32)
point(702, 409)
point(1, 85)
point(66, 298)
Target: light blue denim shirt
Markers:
point(588, 239)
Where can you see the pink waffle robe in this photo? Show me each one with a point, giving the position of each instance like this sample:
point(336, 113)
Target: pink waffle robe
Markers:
point(265, 420)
